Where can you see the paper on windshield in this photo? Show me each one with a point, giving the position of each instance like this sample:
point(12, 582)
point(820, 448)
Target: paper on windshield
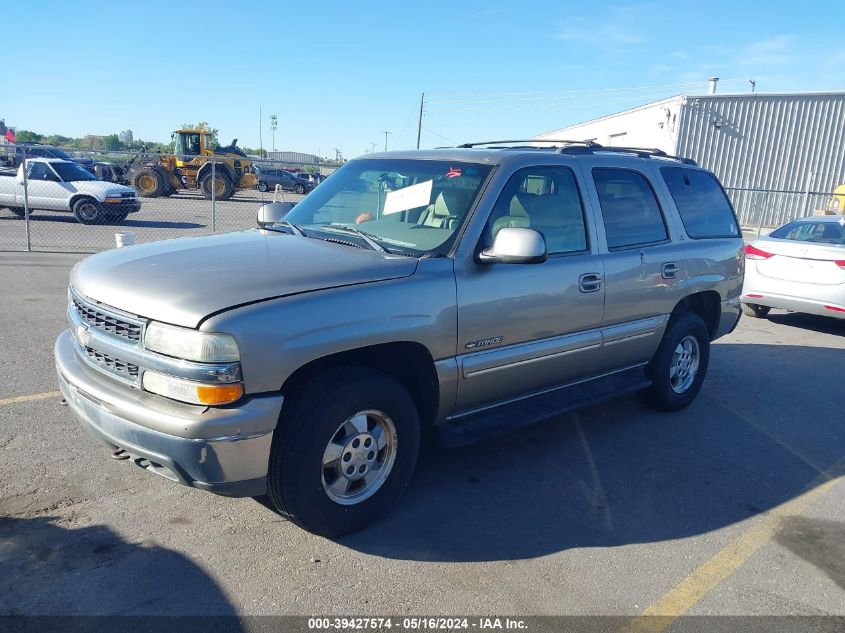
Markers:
point(407, 198)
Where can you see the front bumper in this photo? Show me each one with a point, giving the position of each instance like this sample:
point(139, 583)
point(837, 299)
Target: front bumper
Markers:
point(224, 450)
point(123, 207)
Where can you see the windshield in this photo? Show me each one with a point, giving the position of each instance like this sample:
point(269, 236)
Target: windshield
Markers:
point(414, 206)
point(71, 172)
point(818, 232)
point(60, 153)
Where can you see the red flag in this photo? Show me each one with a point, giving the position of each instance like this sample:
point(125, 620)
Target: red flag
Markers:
point(10, 135)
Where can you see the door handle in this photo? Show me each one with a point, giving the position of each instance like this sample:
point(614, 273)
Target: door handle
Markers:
point(669, 270)
point(589, 282)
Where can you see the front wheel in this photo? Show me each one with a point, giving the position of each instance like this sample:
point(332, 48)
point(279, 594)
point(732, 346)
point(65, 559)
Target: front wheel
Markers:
point(300, 188)
point(680, 364)
point(755, 311)
point(88, 211)
point(223, 187)
point(262, 186)
point(344, 451)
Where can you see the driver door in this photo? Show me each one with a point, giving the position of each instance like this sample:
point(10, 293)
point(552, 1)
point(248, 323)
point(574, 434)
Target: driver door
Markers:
point(45, 189)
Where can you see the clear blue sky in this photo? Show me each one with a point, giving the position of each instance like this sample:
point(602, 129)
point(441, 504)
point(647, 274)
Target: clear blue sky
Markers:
point(341, 73)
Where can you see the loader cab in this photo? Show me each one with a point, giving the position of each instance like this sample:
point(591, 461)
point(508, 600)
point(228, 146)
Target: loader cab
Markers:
point(189, 143)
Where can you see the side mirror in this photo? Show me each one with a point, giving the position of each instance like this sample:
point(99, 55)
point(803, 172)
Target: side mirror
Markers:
point(513, 245)
point(273, 212)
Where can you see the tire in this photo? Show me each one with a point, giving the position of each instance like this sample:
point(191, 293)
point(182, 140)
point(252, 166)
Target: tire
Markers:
point(117, 217)
point(148, 182)
point(225, 188)
point(300, 188)
point(89, 211)
point(262, 186)
point(680, 364)
point(755, 311)
point(318, 497)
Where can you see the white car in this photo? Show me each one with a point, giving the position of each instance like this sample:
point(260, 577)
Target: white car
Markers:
point(799, 267)
point(62, 185)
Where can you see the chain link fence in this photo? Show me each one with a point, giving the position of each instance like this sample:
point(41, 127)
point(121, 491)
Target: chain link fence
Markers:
point(81, 207)
point(762, 210)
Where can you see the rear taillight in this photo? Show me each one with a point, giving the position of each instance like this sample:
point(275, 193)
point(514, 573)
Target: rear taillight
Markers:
point(835, 308)
point(840, 263)
point(752, 252)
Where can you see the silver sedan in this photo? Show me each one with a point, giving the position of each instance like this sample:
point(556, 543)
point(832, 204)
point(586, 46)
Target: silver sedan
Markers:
point(799, 267)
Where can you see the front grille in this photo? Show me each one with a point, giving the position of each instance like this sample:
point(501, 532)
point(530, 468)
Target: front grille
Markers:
point(112, 364)
point(107, 322)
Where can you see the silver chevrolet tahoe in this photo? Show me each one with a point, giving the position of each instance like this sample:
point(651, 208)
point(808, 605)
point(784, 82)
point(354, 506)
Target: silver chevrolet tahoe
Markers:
point(471, 290)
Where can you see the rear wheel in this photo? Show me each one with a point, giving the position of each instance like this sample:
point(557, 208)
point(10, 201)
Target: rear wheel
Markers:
point(223, 186)
point(300, 188)
point(680, 364)
point(148, 183)
point(339, 462)
point(89, 211)
point(755, 311)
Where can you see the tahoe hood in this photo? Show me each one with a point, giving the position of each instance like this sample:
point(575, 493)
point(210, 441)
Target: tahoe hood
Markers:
point(182, 281)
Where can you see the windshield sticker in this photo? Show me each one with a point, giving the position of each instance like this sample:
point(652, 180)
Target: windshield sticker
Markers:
point(408, 198)
point(453, 172)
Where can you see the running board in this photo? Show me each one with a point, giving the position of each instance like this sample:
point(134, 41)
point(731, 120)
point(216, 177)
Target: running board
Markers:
point(474, 426)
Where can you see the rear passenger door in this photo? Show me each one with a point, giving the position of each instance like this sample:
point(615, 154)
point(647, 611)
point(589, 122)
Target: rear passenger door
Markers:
point(645, 270)
point(523, 327)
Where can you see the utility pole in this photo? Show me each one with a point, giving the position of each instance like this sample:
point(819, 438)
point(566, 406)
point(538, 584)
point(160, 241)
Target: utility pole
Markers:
point(419, 123)
point(385, 140)
point(274, 120)
point(260, 142)
point(373, 150)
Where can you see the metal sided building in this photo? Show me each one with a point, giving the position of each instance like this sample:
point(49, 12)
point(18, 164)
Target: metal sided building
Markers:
point(778, 155)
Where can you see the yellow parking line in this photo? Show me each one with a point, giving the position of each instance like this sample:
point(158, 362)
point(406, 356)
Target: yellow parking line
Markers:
point(686, 594)
point(34, 396)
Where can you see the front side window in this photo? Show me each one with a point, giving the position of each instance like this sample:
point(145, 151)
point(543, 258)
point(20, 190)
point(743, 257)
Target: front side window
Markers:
point(629, 208)
point(547, 200)
point(413, 206)
point(39, 171)
point(701, 203)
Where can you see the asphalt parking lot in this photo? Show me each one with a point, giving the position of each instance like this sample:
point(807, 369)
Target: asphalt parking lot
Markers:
point(183, 214)
point(731, 507)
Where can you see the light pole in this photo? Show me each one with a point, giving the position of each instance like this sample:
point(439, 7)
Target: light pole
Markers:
point(274, 120)
point(385, 140)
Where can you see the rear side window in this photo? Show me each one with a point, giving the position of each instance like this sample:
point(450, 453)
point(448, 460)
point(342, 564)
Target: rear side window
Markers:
point(702, 204)
point(629, 208)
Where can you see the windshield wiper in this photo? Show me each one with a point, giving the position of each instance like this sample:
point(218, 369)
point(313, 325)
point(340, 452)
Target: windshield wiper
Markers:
point(294, 229)
point(364, 236)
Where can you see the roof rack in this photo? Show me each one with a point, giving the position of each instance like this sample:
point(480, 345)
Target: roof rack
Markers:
point(530, 140)
point(641, 152)
point(584, 147)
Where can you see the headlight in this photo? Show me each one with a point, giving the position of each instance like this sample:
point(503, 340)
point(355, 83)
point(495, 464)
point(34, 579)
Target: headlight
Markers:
point(191, 392)
point(181, 342)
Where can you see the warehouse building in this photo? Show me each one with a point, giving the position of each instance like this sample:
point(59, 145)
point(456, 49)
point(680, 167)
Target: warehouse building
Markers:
point(778, 155)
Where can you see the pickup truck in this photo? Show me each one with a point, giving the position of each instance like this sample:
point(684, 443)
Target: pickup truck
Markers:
point(469, 291)
point(62, 185)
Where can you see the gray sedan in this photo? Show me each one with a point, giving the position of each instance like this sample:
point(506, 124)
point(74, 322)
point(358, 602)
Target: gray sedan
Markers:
point(799, 267)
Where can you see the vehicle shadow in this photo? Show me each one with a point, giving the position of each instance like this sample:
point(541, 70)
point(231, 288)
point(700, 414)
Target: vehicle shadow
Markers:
point(820, 324)
point(620, 473)
point(91, 571)
point(69, 219)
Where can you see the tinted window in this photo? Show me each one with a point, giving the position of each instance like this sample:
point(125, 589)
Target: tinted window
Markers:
point(545, 199)
point(809, 231)
point(629, 208)
point(701, 203)
point(37, 151)
point(71, 172)
point(39, 171)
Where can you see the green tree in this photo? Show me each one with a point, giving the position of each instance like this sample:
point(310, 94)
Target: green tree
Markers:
point(205, 127)
point(26, 136)
point(112, 143)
